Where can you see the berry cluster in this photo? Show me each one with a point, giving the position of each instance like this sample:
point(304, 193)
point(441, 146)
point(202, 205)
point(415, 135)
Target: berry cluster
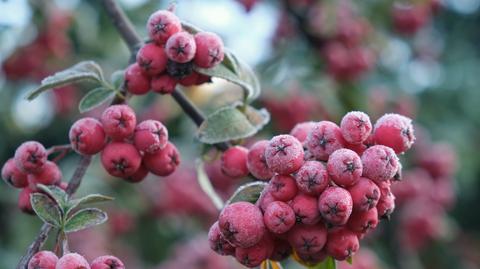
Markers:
point(328, 186)
point(128, 150)
point(48, 260)
point(171, 55)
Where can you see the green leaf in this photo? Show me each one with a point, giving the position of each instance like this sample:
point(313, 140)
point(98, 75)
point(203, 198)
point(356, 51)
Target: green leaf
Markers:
point(190, 28)
point(349, 260)
point(83, 71)
point(206, 185)
point(57, 194)
point(230, 123)
point(328, 263)
point(229, 61)
point(84, 219)
point(117, 78)
point(95, 98)
point(89, 199)
point(249, 192)
point(46, 208)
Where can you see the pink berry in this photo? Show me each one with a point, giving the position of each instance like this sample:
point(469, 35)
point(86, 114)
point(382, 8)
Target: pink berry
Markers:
point(234, 162)
point(363, 221)
point(189, 80)
point(13, 176)
point(256, 162)
point(163, 162)
point(107, 262)
point(163, 24)
point(49, 175)
point(281, 250)
point(181, 47)
point(356, 127)
point(136, 82)
point(218, 243)
point(209, 50)
point(72, 261)
point(163, 84)
point(335, 205)
point(121, 159)
point(313, 258)
point(344, 167)
point(87, 136)
point(308, 239)
point(358, 148)
point(152, 59)
point(265, 199)
point(301, 130)
point(283, 188)
point(306, 209)
point(408, 18)
point(43, 260)
point(241, 224)
point(253, 256)
point(30, 156)
point(324, 139)
point(284, 154)
point(312, 178)
point(394, 131)
point(379, 163)
point(342, 243)
point(119, 122)
point(24, 201)
point(150, 136)
point(365, 194)
point(139, 175)
point(386, 205)
point(279, 217)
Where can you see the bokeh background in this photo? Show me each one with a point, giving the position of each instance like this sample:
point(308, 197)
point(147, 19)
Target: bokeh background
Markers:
point(316, 59)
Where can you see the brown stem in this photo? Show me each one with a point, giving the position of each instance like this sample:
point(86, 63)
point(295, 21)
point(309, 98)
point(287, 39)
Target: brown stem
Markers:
point(61, 150)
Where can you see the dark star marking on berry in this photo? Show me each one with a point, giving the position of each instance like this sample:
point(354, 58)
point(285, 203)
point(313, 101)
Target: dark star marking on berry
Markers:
point(350, 167)
point(311, 180)
point(308, 243)
point(160, 27)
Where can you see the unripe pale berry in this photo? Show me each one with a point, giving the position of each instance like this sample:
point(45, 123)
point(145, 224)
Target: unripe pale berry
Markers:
point(152, 59)
point(281, 250)
point(209, 50)
point(344, 167)
point(308, 239)
point(49, 175)
point(335, 205)
point(301, 130)
point(121, 159)
point(342, 243)
point(150, 136)
point(324, 139)
point(181, 47)
point(13, 176)
point(234, 162)
point(218, 243)
point(163, 84)
point(163, 162)
point(363, 221)
point(306, 209)
point(87, 136)
point(279, 217)
point(139, 175)
point(119, 122)
point(379, 163)
point(394, 131)
point(283, 188)
point(256, 162)
point(107, 262)
point(356, 127)
point(24, 201)
point(241, 224)
point(365, 194)
point(43, 260)
point(30, 156)
point(72, 261)
point(284, 154)
point(136, 81)
point(253, 256)
point(163, 24)
point(312, 178)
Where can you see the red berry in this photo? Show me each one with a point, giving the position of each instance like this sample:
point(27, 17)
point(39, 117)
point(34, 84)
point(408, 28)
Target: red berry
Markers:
point(408, 18)
point(152, 59)
point(234, 162)
point(365, 194)
point(241, 224)
point(279, 217)
point(283, 188)
point(136, 82)
point(342, 243)
point(139, 175)
point(150, 136)
point(324, 139)
point(119, 122)
point(253, 256)
point(284, 154)
point(313, 258)
point(256, 162)
point(335, 205)
point(209, 50)
point(43, 260)
point(356, 127)
point(265, 199)
point(386, 205)
point(163, 84)
point(379, 163)
point(163, 162)
point(72, 261)
point(306, 209)
point(363, 221)
point(13, 176)
point(24, 201)
point(281, 250)
point(49, 175)
point(344, 167)
point(30, 156)
point(107, 262)
point(121, 159)
point(312, 178)
point(307, 239)
point(301, 130)
point(163, 24)
point(189, 80)
point(395, 131)
point(87, 136)
point(218, 243)
point(181, 47)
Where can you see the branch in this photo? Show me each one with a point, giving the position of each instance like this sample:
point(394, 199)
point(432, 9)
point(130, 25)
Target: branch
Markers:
point(302, 25)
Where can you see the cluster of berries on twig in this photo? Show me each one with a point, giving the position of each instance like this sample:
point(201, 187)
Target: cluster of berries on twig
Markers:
point(48, 260)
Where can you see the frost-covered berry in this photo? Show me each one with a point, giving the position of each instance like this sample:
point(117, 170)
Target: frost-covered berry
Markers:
point(284, 154)
point(163, 84)
point(307, 239)
point(24, 201)
point(107, 262)
point(30, 156)
point(335, 205)
point(356, 127)
point(363, 221)
point(139, 175)
point(279, 217)
point(394, 131)
point(218, 243)
point(209, 50)
point(234, 162)
point(72, 261)
point(152, 59)
point(365, 194)
point(265, 199)
point(87, 136)
point(163, 162)
point(181, 47)
point(283, 188)
point(379, 163)
point(324, 139)
point(163, 24)
point(136, 81)
point(13, 176)
point(150, 136)
point(256, 162)
point(43, 260)
point(119, 122)
point(386, 205)
point(121, 159)
point(301, 130)
point(312, 178)
point(253, 256)
point(342, 243)
point(49, 175)
point(241, 224)
point(344, 167)
point(306, 209)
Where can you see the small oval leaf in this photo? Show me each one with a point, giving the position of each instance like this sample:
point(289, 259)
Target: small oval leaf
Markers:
point(95, 98)
point(57, 194)
point(89, 199)
point(249, 192)
point(206, 185)
point(46, 208)
point(84, 219)
point(117, 78)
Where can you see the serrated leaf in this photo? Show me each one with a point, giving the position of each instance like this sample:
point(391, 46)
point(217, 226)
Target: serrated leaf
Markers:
point(46, 209)
point(117, 78)
point(83, 71)
point(57, 194)
point(249, 192)
point(84, 219)
point(89, 199)
point(206, 185)
point(230, 123)
point(95, 98)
